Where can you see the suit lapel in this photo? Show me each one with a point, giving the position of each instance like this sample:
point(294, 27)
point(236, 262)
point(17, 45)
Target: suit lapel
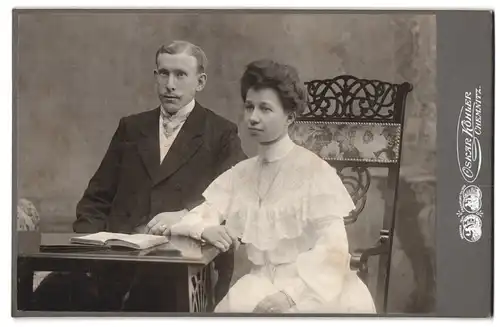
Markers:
point(185, 145)
point(149, 144)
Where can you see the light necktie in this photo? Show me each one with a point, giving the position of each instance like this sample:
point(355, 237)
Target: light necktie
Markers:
point(171, 123)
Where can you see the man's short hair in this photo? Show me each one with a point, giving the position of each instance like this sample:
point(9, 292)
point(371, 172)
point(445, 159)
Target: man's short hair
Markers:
point(178, 47)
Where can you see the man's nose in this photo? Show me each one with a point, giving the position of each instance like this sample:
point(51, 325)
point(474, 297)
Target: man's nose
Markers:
point(170, 83)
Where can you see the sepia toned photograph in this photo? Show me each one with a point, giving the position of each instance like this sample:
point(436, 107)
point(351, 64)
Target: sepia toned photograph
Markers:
point(225, 162)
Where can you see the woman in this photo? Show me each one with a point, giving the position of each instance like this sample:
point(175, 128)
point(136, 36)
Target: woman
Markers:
point(287, 205)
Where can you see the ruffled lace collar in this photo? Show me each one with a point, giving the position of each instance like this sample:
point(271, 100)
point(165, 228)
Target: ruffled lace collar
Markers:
point(308, 192)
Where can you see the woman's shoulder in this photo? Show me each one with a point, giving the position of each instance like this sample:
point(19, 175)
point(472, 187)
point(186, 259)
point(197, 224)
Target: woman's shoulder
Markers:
point(311, 160)
point(242, 167)
point(324, 181)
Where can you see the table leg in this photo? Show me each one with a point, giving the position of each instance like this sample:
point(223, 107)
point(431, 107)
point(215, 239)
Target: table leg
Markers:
point(201, 293)
point(24, 286)
point(182, 289)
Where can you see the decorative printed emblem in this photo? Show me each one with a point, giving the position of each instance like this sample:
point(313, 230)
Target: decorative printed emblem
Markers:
point(470, 199)
point(471, 228)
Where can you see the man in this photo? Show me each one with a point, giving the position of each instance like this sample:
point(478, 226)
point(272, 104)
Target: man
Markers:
point(156, 168)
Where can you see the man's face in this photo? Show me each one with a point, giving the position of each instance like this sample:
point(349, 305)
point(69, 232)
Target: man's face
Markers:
point(177, 80)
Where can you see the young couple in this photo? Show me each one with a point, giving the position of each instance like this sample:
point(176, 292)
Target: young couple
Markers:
point(286, 205)
point(179, 169)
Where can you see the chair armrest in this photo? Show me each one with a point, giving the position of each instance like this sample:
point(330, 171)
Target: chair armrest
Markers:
point(359, 257)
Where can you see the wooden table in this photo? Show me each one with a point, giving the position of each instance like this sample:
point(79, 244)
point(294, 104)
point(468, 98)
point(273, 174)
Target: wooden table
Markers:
point(185, 261)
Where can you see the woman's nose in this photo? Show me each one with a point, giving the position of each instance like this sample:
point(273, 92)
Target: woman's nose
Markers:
point(254, 118)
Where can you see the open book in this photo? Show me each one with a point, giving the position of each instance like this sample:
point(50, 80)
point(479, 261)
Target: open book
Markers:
point(133, 241)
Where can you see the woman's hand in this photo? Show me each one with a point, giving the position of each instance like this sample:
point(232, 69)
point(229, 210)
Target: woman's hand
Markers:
point(275, 303)
point(220, 237)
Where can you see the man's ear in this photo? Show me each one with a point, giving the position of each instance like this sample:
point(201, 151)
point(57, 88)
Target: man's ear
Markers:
point(202, 81)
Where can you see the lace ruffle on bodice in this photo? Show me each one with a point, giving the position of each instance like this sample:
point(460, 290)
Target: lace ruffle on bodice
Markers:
point(305, 195)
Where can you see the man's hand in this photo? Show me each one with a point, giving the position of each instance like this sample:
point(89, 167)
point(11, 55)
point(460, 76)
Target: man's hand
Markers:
point(161, 223)
point(275, 303)
point(220, 237)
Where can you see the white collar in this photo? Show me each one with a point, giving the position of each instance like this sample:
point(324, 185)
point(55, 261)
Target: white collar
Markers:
point(277, 150)
point(183, 112)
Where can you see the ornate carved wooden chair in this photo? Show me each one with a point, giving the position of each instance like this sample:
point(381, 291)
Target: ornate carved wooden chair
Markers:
point(356, 125)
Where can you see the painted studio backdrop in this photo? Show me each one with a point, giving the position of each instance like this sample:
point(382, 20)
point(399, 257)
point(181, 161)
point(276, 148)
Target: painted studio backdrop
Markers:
point(78, 73)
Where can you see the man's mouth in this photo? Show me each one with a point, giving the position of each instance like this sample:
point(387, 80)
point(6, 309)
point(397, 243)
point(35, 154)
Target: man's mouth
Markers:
point(170, 97)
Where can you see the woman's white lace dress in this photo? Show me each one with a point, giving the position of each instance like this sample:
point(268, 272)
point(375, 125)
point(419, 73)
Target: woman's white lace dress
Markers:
point(287, 205)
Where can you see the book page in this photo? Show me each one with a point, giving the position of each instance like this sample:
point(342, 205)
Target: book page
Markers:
point(100, 237)
point(142, 241)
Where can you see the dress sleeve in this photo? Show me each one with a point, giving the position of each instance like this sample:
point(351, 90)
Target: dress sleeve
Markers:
point(211, 212)
point(322, 269)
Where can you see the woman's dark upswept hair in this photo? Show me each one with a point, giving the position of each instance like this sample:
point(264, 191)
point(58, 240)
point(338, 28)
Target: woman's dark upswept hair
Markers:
point(284, 79)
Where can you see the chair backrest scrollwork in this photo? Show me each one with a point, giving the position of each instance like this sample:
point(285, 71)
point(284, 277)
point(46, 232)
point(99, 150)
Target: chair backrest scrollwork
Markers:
point(354, 124)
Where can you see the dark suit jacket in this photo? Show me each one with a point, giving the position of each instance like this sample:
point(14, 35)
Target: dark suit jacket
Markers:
point(130, 186)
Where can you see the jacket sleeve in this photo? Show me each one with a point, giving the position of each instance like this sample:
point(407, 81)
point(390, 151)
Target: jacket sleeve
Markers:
point(230, 152)
point(94, 207)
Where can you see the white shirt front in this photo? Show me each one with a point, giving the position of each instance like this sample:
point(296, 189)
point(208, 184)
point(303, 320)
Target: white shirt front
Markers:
point(166, 142)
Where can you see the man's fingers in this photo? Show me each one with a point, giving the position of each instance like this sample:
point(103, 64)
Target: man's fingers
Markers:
point(155, 230)
point(166, 232)
point(159, 228)
point(151, 224)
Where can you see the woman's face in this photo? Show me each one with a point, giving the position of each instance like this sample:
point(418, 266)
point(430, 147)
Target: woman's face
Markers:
point(265, 117)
